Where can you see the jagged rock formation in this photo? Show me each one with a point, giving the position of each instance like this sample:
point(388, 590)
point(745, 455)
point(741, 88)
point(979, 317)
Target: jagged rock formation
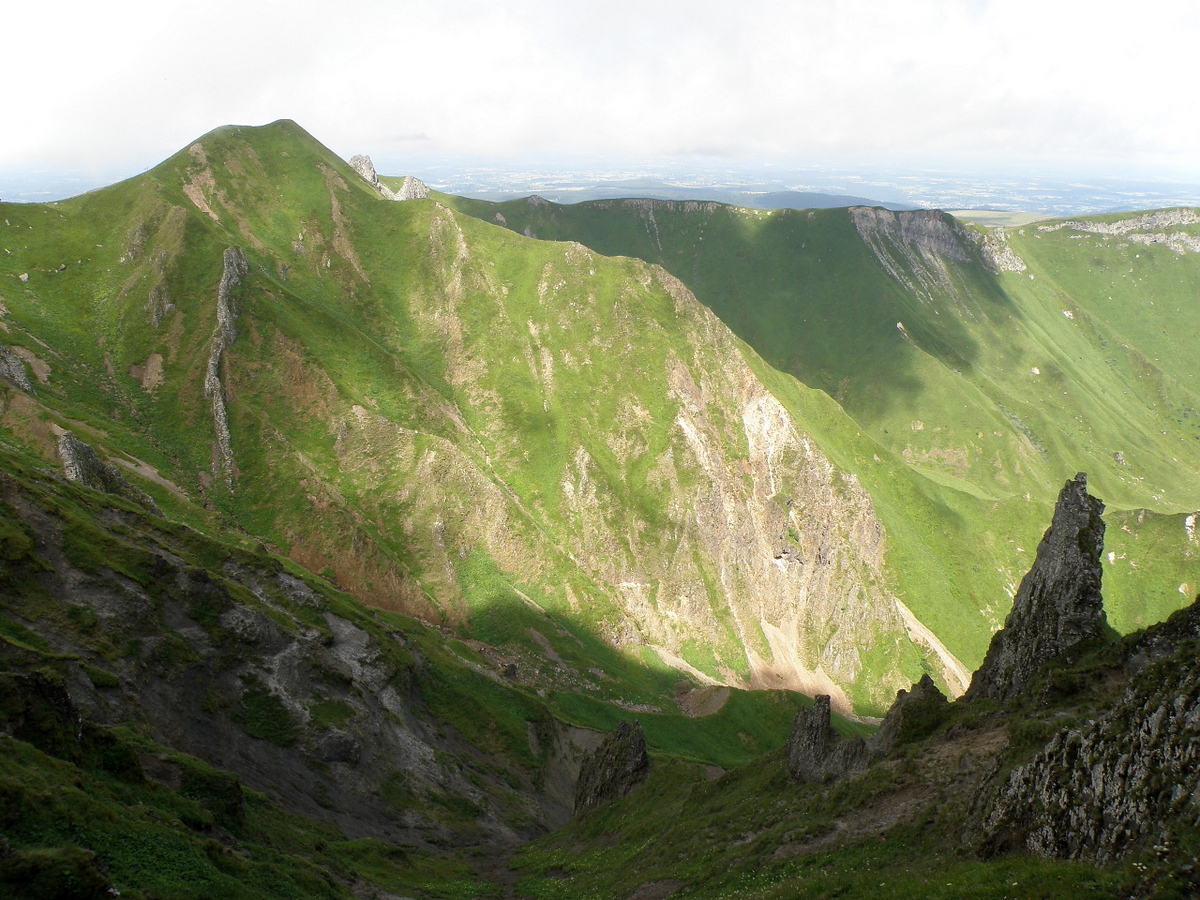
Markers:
point(12, 369)
point(411, 188)
point(1058, 604)
point(363, 166)
point(814, 751)
point(997, 255)
point(1103, 789)
point(912, 716)
point(234, 269)
point(83, 464)
point(613, 769)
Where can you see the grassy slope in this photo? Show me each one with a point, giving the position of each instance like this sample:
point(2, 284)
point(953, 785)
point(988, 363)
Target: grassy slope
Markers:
point(371, 332)
point(953, 397)
point(85, 787)
point(338, 327)
point(719, 840)
point(911, 825)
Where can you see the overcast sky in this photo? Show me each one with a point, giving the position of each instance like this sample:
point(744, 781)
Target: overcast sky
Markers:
point(117, 86)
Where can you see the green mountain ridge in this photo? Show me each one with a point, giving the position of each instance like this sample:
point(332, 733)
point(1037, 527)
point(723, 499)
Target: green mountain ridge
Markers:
point(387, 510)
point(986, 361)
point(361, 332)
point(365, 331)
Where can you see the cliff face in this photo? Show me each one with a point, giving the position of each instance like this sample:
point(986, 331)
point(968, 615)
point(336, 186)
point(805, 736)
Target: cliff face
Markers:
point(1058, 604)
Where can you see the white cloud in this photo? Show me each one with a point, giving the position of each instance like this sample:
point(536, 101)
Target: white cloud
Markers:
point(109, 83)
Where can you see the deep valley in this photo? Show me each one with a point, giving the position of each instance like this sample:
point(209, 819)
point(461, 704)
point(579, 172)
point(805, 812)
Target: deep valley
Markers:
point(345, 524)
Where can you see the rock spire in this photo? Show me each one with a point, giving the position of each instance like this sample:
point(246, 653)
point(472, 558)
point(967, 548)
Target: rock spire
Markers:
point(814, 751)
point(1058, 604)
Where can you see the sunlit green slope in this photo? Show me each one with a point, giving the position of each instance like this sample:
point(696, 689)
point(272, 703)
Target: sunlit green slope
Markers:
point(468, 425)
point(989, 363)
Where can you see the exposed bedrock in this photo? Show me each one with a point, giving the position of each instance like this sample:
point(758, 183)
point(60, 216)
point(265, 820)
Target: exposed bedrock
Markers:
point(613, 769)
point(1058, 604)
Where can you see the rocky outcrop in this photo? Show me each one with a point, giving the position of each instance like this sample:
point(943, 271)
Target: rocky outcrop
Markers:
point(234, 270)
point(997, 255)
point(12, 369)
point(613, 769)
point(411, 189)
point(38, 709)
point(912, 717)
point(1163, 218)
point(82, 464)
point(1110, 786)
point(1058, 604)
point(815, 752)
point(1142, 229)
point(363, 166)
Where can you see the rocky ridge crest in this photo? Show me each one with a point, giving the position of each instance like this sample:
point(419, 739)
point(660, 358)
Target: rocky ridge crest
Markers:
point(411, 188)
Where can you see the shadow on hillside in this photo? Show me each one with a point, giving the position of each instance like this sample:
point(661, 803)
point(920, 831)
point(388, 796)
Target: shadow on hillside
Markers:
point(800, 287)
